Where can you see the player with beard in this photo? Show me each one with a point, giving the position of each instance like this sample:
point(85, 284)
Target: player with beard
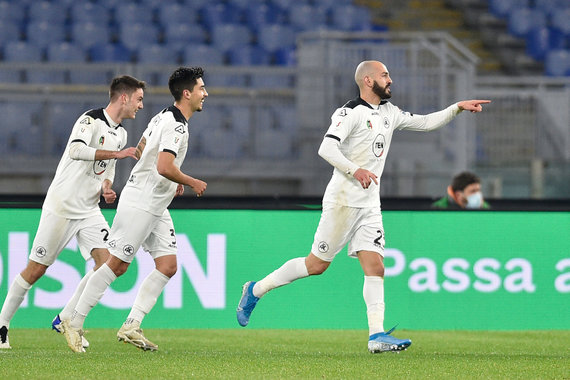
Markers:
point(356, 145)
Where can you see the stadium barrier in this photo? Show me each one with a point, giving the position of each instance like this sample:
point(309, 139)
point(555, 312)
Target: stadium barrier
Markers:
point(444, 270)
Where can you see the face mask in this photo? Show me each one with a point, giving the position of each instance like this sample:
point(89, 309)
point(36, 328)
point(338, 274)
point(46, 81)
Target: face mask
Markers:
point(475, 200)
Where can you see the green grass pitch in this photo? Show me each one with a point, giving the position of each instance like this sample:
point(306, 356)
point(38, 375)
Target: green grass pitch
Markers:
point(289, 354)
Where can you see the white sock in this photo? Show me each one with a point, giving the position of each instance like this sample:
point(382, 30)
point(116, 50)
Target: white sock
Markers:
point(94, 290)
point(292, 270)
point(67, 311)
point(147, 295)
point(373, 292)
point(13, 300)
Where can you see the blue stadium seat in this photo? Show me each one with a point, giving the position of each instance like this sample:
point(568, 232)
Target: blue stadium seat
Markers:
point(178, 35)
point(13, 140)
point(287, 5)
point(65, 52)
point(157, 53)
point(260, 14)
point(275, 36)
point(201, 54)
point(89, 12)
point(522, 20)
point(557, 62)
point(560, 21)
point(227, 36)
point(307, 17)
point(330, 4)
point(11, 11)
point(176, 13)
point(9, 31)
point(272, 143)
point(48, 11)
point(128, 13)
point(44, 33)
point(108, 52)
point(540, 40)
point(62, 116)
point(22, 51)
point(350, 17)
point(219, 13)
point(87, 33)
point(285, 57)
point(248, 56)
point(502, 8)
point(133, 36)
point(550, 6)
point(269, 80)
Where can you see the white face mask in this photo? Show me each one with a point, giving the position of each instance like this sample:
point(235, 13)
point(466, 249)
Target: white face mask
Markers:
point(475, 200)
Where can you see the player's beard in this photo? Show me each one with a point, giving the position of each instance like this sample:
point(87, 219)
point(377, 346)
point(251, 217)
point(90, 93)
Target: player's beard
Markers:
point(382, 92)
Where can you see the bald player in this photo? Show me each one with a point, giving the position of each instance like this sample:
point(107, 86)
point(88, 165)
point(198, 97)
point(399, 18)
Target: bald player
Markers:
point(356, 145)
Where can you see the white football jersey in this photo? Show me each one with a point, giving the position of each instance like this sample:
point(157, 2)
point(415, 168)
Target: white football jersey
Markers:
point(146, 189)
point(75, 191)
point(365, 133)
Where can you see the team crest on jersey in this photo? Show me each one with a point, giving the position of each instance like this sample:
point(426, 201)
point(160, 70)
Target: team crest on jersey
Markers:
point(386, 123)
point(368, 124)
point(128, 250)
point(323, 247)
point(378, 145)
point(101, 140)
point(40, 251)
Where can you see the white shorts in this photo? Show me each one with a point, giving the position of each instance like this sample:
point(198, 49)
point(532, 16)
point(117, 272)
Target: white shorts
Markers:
point(54, 232)
point(362, 227)
point(133, 228)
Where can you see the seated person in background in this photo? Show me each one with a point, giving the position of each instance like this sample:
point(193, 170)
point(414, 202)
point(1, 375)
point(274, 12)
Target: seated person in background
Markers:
point(463, 193)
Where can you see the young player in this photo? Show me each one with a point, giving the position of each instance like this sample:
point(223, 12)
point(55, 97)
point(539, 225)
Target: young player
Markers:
point(356, 145)
point(142, 216)
point(71, 207)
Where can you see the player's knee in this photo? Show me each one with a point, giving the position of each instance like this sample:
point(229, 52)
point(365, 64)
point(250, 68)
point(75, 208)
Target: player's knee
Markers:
point(317, 268)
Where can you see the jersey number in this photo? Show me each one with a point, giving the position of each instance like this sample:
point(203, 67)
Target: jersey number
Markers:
point(106, 232)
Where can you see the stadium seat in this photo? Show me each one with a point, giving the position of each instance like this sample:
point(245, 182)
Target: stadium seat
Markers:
point(108, 52)
point(350, 17)
point(178, 35)
point(44, 33)
point(557, 62)
point(87, 34)
point(133, 36)
point(502, 8)
point(560, 21)
point(65, 52)
point(157, 53)
point(89, 12)
point(248, 56)
point(540, 40)
point(307, 17)
point(176, 13)
point(330, 4)
point(133, 13)
point(550, 7)
point(272, 143)
point(285, 57)
point(219, 13)
point(222, 141)
point(287, 5)
point(227, 36)
point(262, 14)
point(12, 11)
point(47, 11)
point(522, 20)
point(201, 54)
point(22, 51)
point(275, 36)
point(9, 31)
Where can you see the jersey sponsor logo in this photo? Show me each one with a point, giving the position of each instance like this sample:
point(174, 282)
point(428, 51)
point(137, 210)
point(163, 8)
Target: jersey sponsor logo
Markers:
point(180, 129)
point(111, 132)
point(128, 250)
point(40, 251)
point(378, 145)
point(112, 244)
point(386, 123)
point(101, 140)
point(99, 167)
point(323, 247)
point(86, 120)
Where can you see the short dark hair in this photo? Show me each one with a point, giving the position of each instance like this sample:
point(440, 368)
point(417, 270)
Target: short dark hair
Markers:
point(184, 78)
point(125, 83)
point(462, 180)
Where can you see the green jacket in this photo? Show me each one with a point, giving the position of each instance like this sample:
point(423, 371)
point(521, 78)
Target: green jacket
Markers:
point(448, 203)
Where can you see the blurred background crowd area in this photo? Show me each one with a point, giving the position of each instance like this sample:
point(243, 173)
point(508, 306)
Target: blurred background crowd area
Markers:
point(277, 69)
